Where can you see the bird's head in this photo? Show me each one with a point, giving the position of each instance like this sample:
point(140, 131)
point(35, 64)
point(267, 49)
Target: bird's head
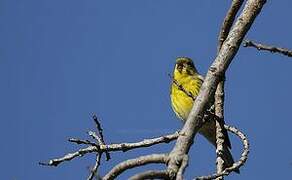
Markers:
point(185, 66)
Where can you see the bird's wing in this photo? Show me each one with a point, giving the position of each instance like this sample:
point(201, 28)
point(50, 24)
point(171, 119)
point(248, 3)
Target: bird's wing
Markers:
point(201, 77)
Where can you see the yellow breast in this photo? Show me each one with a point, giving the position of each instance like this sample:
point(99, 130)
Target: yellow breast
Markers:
point(180, 101)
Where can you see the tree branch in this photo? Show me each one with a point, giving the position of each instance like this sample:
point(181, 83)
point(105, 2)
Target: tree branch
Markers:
point(112, 147)
point(152, 174)
point(228, 21)
point(145, 143)
point(272, 49)
point(100, 132)
point(131, 163)
point(182, 168)
point(220, 138)
point(70, 156)
point(219, 94)
point(217, 69)
point(93, 171)
point(237, 164)
point(81, 141)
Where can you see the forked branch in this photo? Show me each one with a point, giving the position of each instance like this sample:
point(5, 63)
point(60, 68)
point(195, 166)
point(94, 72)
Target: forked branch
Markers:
point(227, 52)
point(111, 147)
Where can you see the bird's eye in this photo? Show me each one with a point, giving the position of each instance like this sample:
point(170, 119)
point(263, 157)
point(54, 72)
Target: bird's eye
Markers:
point(189, 63)
point(179, 66)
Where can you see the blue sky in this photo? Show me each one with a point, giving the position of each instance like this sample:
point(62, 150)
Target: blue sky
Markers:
point(61, 61)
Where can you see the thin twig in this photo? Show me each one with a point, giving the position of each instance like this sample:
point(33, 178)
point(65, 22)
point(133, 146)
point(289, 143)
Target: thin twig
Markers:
point(94, 170)
point(81, 141)
point(95, 137)
point(272, 49)
point(70, 156)
point(131, 163)
point(239, 163)
point(100, 132)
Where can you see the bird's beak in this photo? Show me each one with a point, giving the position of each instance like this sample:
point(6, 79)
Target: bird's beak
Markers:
point(179, 67)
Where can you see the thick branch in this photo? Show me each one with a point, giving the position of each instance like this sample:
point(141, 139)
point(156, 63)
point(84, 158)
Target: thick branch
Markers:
point(272, 49)
point(220, 138)
point(219, 94)
point(237, 164)
point(131, 163)
point(152, 174)
point(217, 69)
point(228, 21)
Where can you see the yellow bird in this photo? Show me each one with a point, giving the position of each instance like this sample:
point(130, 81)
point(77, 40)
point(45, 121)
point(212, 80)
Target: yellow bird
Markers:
point(186, 75)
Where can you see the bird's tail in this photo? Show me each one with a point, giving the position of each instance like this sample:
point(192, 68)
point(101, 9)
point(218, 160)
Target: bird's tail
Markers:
point(228, 159)
point(209, 131)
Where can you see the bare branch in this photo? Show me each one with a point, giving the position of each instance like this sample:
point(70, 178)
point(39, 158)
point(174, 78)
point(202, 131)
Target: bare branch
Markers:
point(96, 137)
point(239, 163)
point(219, 94)
point(182, 168)
point(217, 69)
point(93, 171)
point(131, 163)
point(100, 132)
point(145, 143)
point(220, 138)
point(272, 49)
point(80, 141)
point(70, 156)
point(150, 175)
point(112, 147)
point(228, 21)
